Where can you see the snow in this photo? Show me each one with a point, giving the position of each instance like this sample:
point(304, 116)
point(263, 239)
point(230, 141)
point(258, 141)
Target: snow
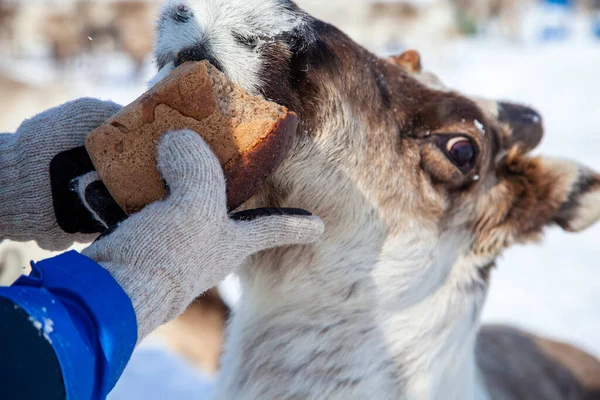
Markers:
point(156, 374)
point(37, 324)
point(46, 328)
point(479, 126)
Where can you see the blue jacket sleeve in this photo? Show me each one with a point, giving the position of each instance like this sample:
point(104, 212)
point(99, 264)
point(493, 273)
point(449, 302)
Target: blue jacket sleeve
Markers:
point(85, 315)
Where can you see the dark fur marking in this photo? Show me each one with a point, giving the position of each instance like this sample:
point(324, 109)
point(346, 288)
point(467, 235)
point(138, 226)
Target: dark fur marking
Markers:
point(592, 395)
point(383, 89)
point(498, 142)
point(504, 354)
point(351, 291)
point(247, 41)
point(163, 59)
point(290, 6)
point(301, 61)
point(198, 52)
point(567, 210)
point(296, 60)
point(448, 108)
point(485, 271)
point(181, 14)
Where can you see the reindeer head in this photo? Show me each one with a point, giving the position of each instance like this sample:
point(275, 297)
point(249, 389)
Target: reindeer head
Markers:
point(411, 179)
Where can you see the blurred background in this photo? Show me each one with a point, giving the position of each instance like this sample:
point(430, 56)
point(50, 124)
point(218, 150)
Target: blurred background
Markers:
point(542, 53)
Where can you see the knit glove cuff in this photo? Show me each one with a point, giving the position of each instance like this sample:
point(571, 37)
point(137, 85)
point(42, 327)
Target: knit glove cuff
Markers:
point(11, 194)
point(26, 205)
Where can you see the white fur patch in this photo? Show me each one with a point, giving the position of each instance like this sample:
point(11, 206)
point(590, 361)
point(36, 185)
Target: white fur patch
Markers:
point(162, 73)
point(215, 22)
point(587, 213)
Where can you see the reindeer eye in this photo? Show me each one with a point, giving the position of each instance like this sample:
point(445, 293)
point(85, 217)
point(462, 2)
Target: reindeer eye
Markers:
point(461, 151)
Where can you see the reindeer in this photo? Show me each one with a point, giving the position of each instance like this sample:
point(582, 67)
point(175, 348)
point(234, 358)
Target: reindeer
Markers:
point(420, 188)
point(199, 333)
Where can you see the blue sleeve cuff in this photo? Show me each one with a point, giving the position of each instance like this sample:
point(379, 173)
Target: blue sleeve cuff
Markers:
point(86, 316)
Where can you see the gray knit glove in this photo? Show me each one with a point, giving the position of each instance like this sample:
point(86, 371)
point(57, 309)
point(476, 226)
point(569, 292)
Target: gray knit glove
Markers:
point(26, 205)
point(170, 252)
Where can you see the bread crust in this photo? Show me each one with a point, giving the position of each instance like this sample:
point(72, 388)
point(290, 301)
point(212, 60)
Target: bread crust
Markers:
point(258, 164)
point(249, 135)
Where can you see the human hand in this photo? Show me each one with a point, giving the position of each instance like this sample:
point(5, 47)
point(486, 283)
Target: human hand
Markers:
point(26, 200)
point(173, 250)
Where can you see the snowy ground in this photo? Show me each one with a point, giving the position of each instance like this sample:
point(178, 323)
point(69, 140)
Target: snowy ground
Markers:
point(156, 373)
point(552, 288)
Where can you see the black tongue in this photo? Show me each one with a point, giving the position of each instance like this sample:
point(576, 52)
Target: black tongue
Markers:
point(250, 215)
point(71, 214)
point(101, 202)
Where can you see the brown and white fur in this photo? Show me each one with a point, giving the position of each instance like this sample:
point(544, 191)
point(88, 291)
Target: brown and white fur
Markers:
point(387, 304)
point(516, 364)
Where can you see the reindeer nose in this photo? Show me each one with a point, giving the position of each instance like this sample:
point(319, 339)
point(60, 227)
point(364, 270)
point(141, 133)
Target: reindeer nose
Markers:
point(198, 52)
point(526, 123)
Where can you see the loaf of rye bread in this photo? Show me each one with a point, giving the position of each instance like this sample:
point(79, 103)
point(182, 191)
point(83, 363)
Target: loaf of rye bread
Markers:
point(249, 135)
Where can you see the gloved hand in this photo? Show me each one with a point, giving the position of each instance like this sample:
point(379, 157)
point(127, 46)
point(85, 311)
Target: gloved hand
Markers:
point(173, 250)
point(26, 203)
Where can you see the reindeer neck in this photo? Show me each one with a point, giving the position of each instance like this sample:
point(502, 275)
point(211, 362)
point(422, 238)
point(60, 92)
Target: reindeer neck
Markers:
point(306, 331)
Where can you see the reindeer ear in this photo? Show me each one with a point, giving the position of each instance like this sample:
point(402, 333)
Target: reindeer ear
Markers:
point(526, 126)
point(410, 61)
point(581, 209)
point(547, 191)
